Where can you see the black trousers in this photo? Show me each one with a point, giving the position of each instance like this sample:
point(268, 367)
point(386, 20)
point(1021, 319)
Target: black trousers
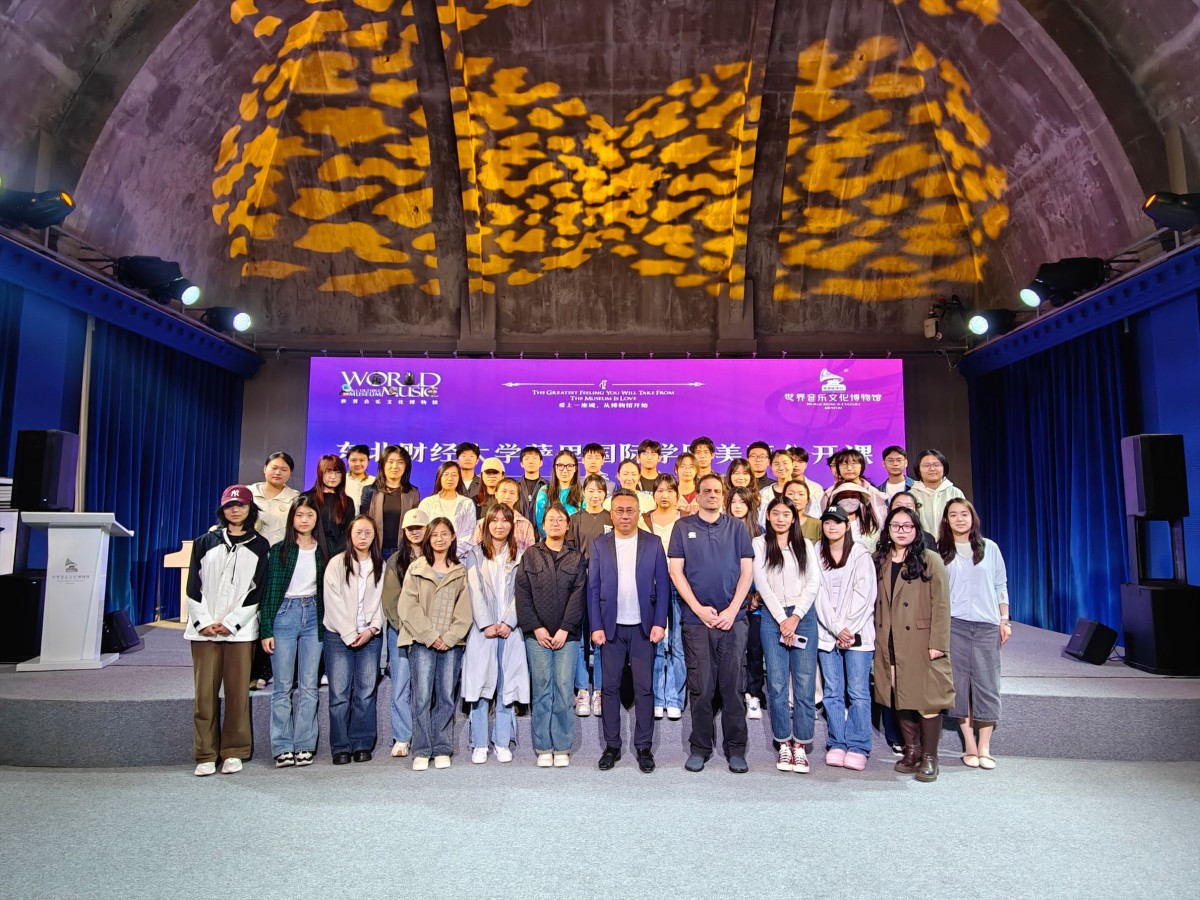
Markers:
point(714, 663)
point(628, 644)
point(754, 675)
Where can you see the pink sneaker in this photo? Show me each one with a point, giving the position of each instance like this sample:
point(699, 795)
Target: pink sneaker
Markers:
point(855, 761)
point(835, 758)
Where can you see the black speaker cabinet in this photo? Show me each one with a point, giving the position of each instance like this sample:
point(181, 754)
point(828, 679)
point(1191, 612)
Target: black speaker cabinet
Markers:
point(1091, 642)
point(1155, 477)
point(1161, 623)
point(44, 471)
point(119, 635)
point(21, 601)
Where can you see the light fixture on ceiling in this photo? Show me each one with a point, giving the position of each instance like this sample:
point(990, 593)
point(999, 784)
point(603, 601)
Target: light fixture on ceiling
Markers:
point(226, 318)
point(40, 209)
point(160, 279)
point(1060, 282)
point(1178, 212)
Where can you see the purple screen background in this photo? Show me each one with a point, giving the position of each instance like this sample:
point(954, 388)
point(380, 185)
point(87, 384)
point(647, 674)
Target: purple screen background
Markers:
point(503, 405)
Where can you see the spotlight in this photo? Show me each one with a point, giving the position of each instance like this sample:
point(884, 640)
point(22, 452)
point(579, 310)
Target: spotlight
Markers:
point(226, 318)
point(1179, 212)
point(1063, 281)
point(34, 210)
point(992, 321)
point(159, 278)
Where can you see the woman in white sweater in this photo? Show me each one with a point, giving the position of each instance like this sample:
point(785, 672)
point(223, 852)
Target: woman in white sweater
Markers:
point(846, 634)
point(353, 622)
point(447, 502)
point(933, 488)
point(787, 578)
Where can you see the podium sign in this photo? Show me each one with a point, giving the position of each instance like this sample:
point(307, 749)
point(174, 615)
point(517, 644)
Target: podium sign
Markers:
point(76, 578)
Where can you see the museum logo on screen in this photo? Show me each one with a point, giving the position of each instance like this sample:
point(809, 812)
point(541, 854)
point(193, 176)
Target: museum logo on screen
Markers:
point(390, 384)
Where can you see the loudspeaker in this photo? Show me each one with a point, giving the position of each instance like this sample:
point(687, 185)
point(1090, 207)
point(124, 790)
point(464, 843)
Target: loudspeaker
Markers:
point(44, 471)
point(1091, 642)
point(23, 598)
point(1155, 476)
point(1161, 622)
point(119, 635)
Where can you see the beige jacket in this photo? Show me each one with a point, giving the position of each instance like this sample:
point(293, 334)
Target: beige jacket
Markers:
point(341, 601)
point(430, 608)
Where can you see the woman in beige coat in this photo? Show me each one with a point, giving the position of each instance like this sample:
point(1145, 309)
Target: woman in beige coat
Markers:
point(912, 640)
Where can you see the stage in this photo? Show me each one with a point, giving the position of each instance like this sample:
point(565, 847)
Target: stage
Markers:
point(138, 712)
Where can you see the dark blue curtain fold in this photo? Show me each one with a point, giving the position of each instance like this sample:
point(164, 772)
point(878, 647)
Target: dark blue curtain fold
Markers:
point(10, 342)
point(162, 444)
point(1045, 435)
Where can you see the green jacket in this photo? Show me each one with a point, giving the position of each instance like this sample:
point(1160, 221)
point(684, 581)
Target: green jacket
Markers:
point(279, 576)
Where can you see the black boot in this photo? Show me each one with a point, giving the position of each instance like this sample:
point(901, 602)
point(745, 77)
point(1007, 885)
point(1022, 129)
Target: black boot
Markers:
point(911, 731)
point(931, 732)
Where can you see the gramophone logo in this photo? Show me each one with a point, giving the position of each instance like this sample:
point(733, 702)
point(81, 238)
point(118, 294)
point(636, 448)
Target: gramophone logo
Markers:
point(70, 567)
point(70, 573)
point(832, 384)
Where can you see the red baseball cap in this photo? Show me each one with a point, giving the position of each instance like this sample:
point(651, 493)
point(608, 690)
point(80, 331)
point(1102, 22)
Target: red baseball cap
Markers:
point(236, 493)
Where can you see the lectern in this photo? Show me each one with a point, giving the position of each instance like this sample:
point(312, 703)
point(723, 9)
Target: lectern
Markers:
point(76, 577)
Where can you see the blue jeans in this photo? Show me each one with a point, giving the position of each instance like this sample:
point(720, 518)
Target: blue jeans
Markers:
point(550, 673)
point(504, 732)
point(401, 701)
point(670, 668)
point(434, 675)
point(353, 675)
point(583, 680)
point(848, 672)
point(799, 665)
point(294, 727)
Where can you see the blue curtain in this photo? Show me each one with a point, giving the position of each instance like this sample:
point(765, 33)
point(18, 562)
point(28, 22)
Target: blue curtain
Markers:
point(162, 444)
point(1045, 433)
point(10, 343)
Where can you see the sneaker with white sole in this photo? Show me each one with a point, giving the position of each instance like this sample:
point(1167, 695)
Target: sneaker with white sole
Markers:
point(674, 713)
point(658, 712)
point(562, 760)
point(285, 759)
point(231, 766)
point(304, 758)
point(545, 760)
point(799, 759)
point(478, 755)
point(583, 703)
point(442, 761)
point(753, 708)
point(399, 748)
point(503, 754)
point(596, 707)
point(207, 768)
point(420, 763)
point(783, 762)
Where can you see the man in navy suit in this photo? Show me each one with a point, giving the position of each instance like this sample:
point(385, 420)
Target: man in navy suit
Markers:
point(629, 590)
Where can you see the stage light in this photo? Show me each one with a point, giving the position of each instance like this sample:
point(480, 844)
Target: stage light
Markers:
point(1179, 212)
point(34, 210)
point(1063, 281)
point(1030, 296)
point(226, 318)
point(159, 278)
point(992, 322)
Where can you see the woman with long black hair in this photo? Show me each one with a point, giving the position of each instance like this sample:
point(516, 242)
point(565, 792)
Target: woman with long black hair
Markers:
point(390, 498)
point(415, 525)
point(334, 505)
point(446, 502)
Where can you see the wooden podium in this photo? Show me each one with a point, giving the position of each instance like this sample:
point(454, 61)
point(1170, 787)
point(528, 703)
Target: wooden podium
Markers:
point(76, 578)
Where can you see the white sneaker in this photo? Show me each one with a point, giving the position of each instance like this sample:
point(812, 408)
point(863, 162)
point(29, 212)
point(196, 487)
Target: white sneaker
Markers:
point(231, 766)
point(562, 760)
point(583, 703)
point(658, 712)
point(799, 760)
point(596, 703)
point(503, 754)
point(399, 748)
point(783, 762)
point(478, 755)
point(442, 761)
point(420, 763)
point(545, 760)
point(753, 708)
point(208, 768)
point(674, 713)
point(324, 681)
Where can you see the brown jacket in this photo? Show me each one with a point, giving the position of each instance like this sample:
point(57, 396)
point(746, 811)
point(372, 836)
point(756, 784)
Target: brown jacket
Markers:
point(915, 620)
point(430, 608)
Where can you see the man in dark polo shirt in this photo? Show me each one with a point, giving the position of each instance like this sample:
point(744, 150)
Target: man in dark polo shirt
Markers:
point(710, 562)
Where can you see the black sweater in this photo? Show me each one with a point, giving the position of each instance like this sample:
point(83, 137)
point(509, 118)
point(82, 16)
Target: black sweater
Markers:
point(550, 590)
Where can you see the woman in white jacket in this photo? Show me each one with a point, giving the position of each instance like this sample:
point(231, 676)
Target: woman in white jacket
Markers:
point(787, 578)
point(494, 664)
point(933, 488)
point(846, 619)
point(447, 502)
point(353, 622)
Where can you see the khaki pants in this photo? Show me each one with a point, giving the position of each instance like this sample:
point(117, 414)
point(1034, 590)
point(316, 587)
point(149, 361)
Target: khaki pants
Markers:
point(215, 663)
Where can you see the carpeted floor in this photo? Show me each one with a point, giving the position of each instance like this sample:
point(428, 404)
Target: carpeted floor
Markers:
point(1032, 828)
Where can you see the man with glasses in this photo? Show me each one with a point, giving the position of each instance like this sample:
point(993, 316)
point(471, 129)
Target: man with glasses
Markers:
point(758, 455)
point(710, 564)
point(895, 460)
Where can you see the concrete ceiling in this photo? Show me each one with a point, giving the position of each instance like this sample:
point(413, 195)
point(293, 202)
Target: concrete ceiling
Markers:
point(532, 173)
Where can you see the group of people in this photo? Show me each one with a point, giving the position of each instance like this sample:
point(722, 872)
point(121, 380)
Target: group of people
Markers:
point(719, 592)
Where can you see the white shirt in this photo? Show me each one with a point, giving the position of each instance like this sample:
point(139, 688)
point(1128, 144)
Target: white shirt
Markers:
point(892, 489)
point(976, 591)
point(629, 611)
point(272, 511)
point(304, 576)
point(354, 489)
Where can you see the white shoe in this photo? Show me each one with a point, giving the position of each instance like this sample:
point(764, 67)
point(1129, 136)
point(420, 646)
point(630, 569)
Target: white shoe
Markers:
point(503, 754)
point(783, 762)
point(420, 763)
point(753, 708)
point(442, 762)
point(596, 704)
point(562, 760)
point(545, 760)
point(231, 766)
point(799, 759)
point(208, 768)
point(478, 755)
point(399, 748)
point(583, 703)
point(674, 713)
point(658, 712)
point(324, 681)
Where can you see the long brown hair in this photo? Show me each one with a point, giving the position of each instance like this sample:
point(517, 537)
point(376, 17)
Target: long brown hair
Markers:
point(499, 511)
point(750, 498)
point(331, 463)
point(574, 489)
point(945, 543)
point(352, 555)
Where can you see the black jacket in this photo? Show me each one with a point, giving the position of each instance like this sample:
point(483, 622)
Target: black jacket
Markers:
point(550, 591)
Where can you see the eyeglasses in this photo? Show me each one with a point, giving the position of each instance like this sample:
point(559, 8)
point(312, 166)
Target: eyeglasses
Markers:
point(901, 529)
point(931, 465)
point(564, 465)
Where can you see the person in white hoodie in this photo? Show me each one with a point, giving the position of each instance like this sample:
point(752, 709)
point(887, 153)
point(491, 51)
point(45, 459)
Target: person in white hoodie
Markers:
point(846, 639)
point(228, 568)
point(787, 578)
point(933, 489)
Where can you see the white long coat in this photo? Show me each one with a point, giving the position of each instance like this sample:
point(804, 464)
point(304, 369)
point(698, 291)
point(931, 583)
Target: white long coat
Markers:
point(492, 584)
